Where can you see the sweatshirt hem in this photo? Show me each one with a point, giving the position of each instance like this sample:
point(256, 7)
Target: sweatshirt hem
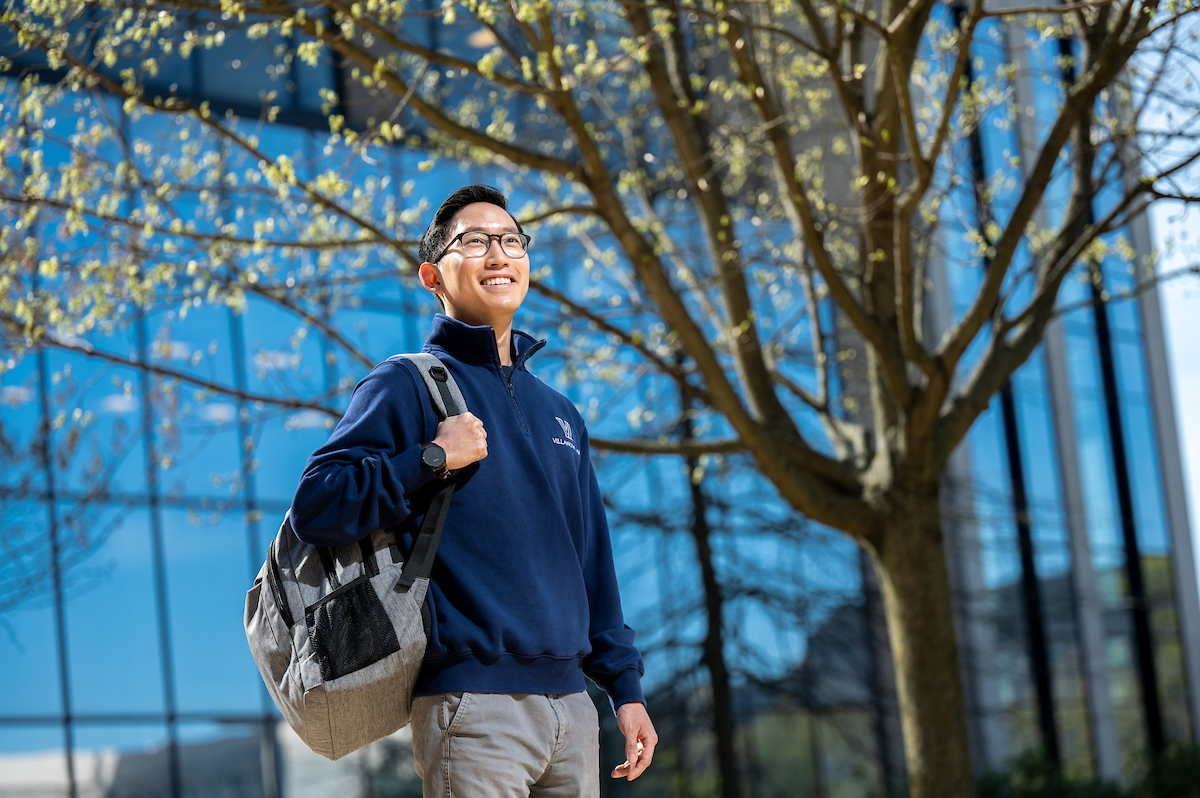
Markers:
point(506, 673)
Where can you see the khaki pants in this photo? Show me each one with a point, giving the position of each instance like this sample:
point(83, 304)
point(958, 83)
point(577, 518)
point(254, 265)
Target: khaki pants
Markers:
point(491, 745)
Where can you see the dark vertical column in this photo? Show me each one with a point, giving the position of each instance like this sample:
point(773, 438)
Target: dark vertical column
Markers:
point(1139, 605)
point(1039, 653)
point(60, 615)
point(157, 550)
point(1035, 630)
point(713, 647)
point(1143, 639)
point(271, 762)
point(158, 556)
point(56, 577)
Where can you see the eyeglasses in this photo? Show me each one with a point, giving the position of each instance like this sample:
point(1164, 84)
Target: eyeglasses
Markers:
point(476, 243)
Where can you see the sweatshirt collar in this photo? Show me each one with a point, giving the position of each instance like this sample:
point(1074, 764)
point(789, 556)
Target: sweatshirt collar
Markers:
point(477, 344)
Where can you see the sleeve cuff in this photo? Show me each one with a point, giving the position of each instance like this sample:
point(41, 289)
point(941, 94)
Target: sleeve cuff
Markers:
point(626, 689)
point(410, 471)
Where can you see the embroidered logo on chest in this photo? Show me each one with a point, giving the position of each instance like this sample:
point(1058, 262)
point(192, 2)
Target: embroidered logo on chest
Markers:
point(569, 435)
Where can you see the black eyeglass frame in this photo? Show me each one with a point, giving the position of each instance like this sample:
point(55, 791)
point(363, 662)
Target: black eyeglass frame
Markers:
point(526, 240)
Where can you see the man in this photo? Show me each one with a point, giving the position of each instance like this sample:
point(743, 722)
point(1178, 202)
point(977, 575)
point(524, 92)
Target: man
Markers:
point(523, 596)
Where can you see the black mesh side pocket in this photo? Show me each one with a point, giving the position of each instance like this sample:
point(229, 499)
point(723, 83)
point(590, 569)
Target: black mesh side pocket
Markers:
point(350, 630)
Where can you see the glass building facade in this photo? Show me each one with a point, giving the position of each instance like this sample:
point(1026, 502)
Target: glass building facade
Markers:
point(1072, 553)
point(136, 509)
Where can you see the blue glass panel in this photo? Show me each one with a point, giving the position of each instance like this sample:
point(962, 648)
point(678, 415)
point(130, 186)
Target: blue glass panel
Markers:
point(208, 572)
point(195, 430)
point(121, 761)
point(1040, 463)
point(97, 443)
point(296, 143)
point(20, 414)
point(991, 492)
point(1124, 321)
point(112, 623)
point(1142, 455)
point(376, 335)
point(1045, 81)
point(241, 71)
point(282, 354)
point(28, 640)
point(33, 762)
point(283, 447)
point(176, 75)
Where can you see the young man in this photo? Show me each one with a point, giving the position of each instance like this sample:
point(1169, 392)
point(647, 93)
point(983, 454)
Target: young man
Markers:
point(523, 596)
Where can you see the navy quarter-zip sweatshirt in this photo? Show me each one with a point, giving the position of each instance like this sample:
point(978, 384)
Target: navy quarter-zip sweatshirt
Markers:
point(523, 594)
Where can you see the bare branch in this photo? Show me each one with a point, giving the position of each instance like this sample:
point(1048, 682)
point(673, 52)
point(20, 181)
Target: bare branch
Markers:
point(1078, 101)
point(134, 223)
point(1065, 8)
point(85, 348)
point(690, 448)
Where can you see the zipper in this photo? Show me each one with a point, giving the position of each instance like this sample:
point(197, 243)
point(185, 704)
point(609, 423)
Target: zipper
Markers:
point(340, 591)
point(516, 366)
point(513, 395)
point(275, 582)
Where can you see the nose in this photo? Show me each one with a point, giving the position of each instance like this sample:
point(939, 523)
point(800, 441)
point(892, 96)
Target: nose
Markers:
point(494, 247)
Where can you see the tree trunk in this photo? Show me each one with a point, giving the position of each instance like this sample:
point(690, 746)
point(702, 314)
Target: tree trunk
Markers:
point(910, 557)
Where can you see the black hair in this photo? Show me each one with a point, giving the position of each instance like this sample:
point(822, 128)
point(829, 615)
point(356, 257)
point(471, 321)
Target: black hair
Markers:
point(434, 239)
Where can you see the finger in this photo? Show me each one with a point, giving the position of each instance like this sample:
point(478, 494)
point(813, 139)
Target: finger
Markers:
point(621, 771)
point(643, 762)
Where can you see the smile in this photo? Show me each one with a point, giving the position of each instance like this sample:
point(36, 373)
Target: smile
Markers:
point(498, 281)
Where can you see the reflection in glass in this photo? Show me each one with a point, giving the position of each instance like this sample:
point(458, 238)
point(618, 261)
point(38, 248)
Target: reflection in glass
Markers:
point(28, 647)
point(112, 620)
point(221, 759)
point(195, 431)
point(208, 573)
point(98, 447)
point(33, 762)
point(121, 760)
point(21, 465)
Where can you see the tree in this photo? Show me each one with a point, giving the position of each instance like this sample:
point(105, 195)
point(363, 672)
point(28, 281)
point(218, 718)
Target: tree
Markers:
point(756, 187)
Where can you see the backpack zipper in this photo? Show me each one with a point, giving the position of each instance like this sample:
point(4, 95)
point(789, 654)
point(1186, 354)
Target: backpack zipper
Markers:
point(275, 582)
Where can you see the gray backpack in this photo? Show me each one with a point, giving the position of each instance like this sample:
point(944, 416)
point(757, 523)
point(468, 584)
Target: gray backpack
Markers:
point(339, 633)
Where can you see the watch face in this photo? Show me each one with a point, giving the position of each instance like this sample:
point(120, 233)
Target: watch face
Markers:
point(434, 456)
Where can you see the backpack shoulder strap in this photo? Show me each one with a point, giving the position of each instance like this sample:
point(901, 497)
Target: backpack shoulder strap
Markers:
point(447, 398)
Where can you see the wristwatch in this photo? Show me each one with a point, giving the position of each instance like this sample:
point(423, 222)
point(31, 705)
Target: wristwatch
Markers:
point(434, 456)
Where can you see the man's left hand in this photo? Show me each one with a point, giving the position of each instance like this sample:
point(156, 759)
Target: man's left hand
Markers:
point(640, 739)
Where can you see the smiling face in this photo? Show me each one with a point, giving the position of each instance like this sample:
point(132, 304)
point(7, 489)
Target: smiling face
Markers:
point(487, 289)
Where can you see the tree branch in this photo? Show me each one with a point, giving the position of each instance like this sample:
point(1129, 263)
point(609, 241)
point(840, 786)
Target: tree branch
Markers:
point(666, 66)
point(86, 349)
point(689, 448)
point(1078, 101)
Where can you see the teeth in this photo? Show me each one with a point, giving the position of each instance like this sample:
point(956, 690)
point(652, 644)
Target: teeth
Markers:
point(497, 281)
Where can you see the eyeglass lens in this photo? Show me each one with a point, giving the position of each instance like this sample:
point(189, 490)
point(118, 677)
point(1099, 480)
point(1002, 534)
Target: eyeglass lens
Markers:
point(476, 244)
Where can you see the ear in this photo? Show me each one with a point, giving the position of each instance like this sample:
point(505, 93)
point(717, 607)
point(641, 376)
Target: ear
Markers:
point(431, 277)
